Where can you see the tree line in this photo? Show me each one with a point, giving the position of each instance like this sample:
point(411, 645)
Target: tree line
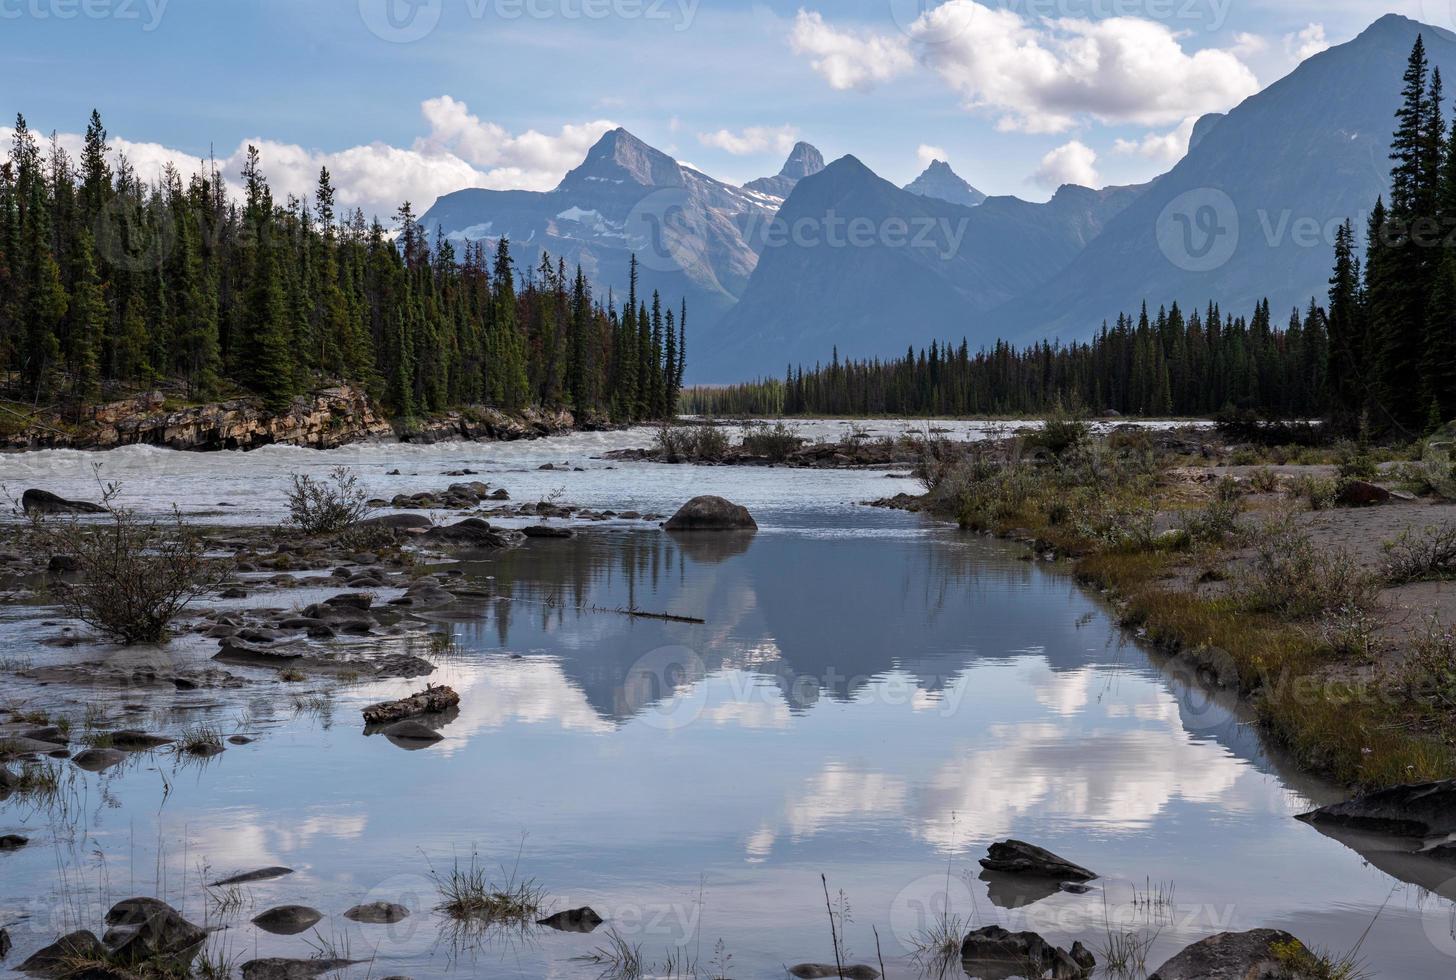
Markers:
point(1392, 319)
point(109, 284)
point(1381, 354)
point(1168, 364)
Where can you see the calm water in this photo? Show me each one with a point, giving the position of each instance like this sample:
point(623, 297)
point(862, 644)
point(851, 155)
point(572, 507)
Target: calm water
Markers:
point(871, 698)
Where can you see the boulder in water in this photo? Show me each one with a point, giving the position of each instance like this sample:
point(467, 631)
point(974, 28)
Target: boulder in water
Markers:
point(584, 919)
point(1020, 858)
point(288, 920)
point(1415, 810)
point(709, 513)
point(377, 913)
point(56, 960)
point(45, 502)
point(1237, 955)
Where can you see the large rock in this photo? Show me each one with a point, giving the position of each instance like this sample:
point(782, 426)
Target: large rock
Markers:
point(1359, 493)
point(999, 950)
point(96, 760)
point(710, 513)
point(1248, 955)
point(162, 935)
point(398, 522)
point(45, 502)
point(1020, 858)
point(288, 920)
point(57, 959)
point(1416, 810)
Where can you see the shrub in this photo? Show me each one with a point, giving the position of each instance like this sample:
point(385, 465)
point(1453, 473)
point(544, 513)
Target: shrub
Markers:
point(1289, 576)
point(1065, 429)
point(1219, 518)
point(326, 507)
point(698, 443)
point(134, 576)
point(778, 442)
point(1317, 493)
point(1264, 480)
point(1417, 556)
point(1430, 671)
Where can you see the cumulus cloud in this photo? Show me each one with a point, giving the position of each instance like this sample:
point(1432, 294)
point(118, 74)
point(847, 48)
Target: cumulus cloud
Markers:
point(1042, 76)
point(849, 60)
point(1070, 163)
point(754, 139)
point(1306, 43)
point(1166, 148)
point(459, 151)
point(928, 154)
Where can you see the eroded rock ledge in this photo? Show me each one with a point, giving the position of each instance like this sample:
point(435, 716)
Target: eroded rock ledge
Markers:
point(326, 419)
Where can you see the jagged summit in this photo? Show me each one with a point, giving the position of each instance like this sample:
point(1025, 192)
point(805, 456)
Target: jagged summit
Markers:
point(621, 157)
point(941, 182)
point(804, 160)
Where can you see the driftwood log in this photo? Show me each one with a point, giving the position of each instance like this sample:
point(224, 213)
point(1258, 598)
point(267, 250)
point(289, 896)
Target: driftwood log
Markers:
point(428, 701)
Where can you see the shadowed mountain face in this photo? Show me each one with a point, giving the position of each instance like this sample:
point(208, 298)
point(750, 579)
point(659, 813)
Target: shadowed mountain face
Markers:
point(940, 181)
point(687, 229)
point(1251, 211)
point(855, 263)
point(804, 161)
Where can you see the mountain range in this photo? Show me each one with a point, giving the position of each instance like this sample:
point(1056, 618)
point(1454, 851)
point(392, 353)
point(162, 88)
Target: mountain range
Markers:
point(789, 268)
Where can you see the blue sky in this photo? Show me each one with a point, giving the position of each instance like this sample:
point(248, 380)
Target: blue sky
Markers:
point(1019, 95)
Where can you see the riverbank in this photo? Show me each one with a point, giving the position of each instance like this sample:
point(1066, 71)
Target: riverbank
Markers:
point(328, 418)
point(1319, 594)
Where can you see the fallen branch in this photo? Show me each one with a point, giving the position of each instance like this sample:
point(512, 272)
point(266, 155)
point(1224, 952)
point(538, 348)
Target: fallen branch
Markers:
point(429, 701)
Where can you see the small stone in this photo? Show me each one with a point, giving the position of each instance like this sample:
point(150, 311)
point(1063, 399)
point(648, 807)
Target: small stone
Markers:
point(288, 920)
point(377, 913)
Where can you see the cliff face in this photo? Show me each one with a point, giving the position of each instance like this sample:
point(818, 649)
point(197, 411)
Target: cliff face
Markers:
point(326, 419)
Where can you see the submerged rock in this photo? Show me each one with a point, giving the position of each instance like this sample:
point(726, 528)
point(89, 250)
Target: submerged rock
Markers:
point(811, 971)
point(96, 760)
point(1020, 858)
point(277, 968)
point(1417, 810)
point(412, 731)
point(709, 513)
point(57, 959)
point(288, 920)
point(4, 944)
point(377, 913)
point(45, 502)
point(262, 874)
point(1000, 949)
point(584, 919)
point(13, 842)
point(1248, 955)
point(546, 531)
point(131, 740)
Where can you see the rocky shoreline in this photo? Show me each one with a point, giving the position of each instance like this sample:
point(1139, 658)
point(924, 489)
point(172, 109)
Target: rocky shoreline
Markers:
point(325, 419)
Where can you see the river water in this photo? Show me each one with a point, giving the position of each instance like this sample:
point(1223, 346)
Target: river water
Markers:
point(871, 698)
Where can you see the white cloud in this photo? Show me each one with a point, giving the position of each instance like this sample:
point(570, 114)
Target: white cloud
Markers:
point(928, 154)
point(1306, 43)
point(459, 151)
point(1247, 45)
point(754, 139)
point(1070, 163)
point(1040, 75)
point(849, 60)
point(1166, 148)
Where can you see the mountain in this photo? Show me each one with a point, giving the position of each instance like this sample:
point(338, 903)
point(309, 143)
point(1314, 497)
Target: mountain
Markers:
point(939, 181)
point(1251, 210)
point(804, 161)
point(862, 265)
point(690, 232)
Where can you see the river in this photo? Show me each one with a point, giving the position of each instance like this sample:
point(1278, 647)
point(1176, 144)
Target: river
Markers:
point(871, 697)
